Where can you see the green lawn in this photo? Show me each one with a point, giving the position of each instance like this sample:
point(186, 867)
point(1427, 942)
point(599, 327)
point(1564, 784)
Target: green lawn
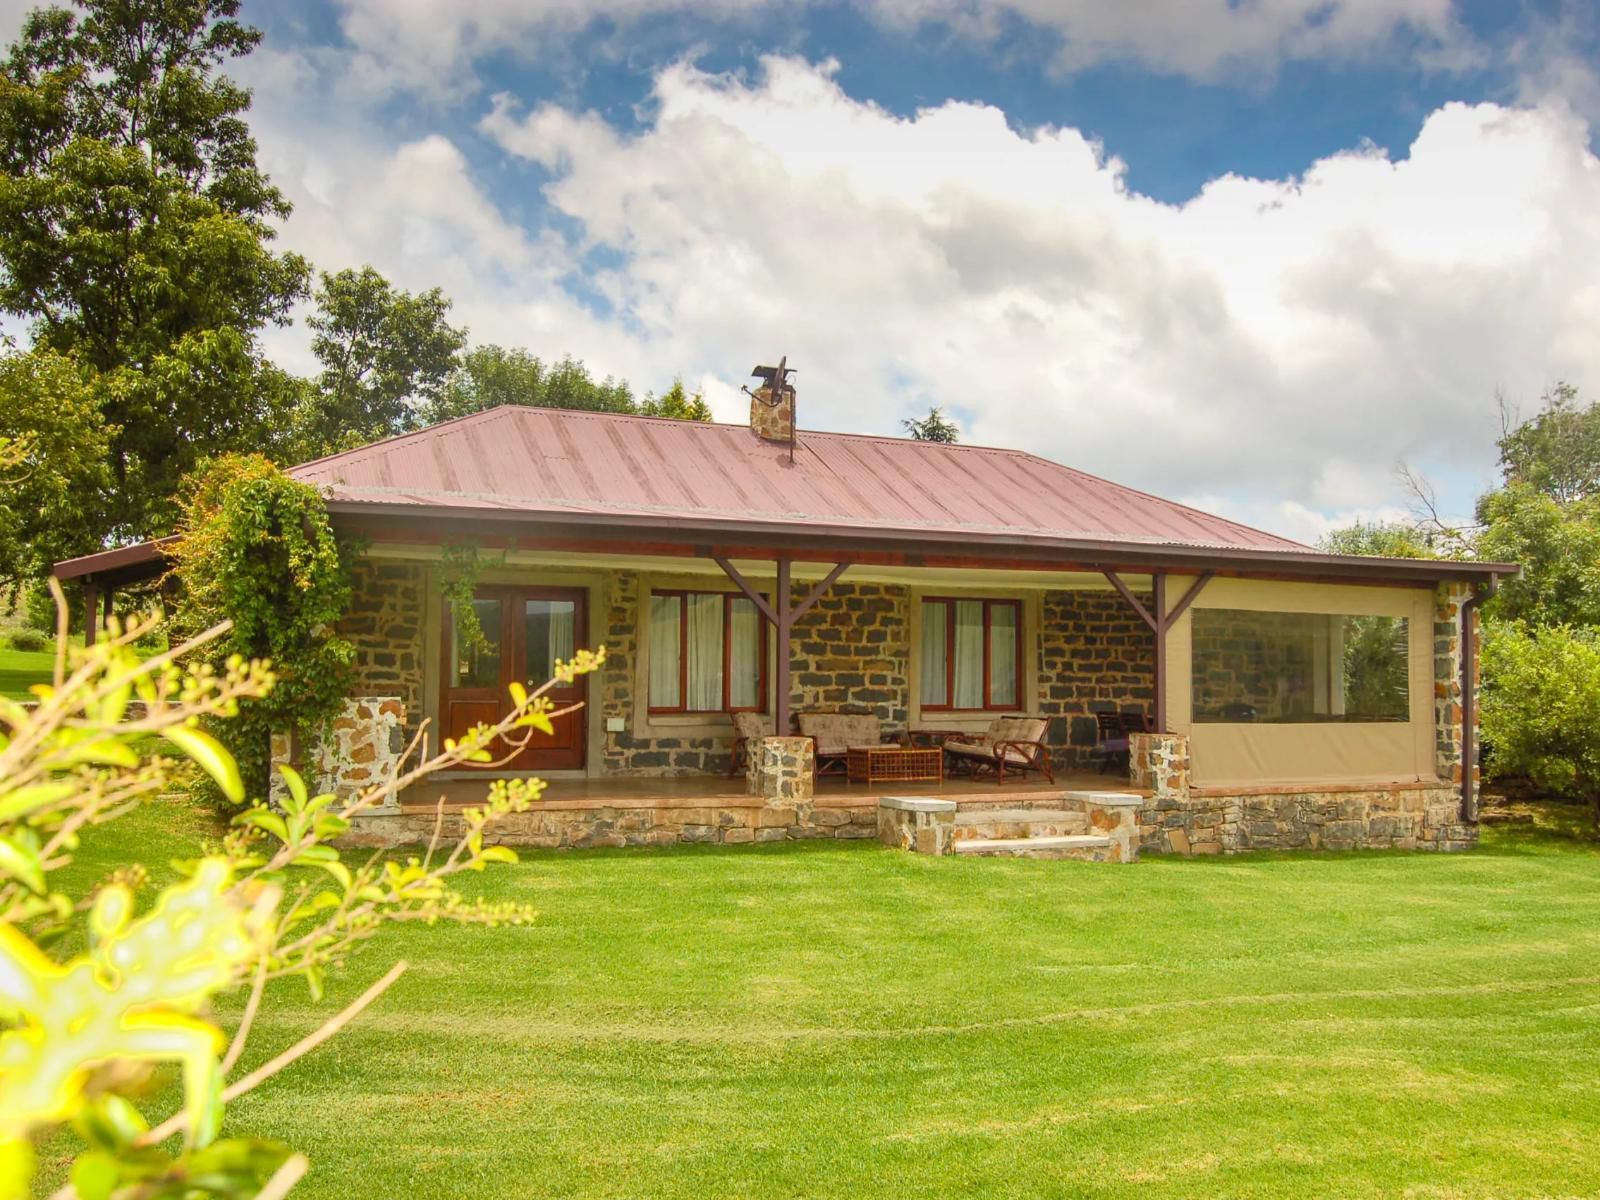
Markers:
point(843, 1020)
point(21, 669)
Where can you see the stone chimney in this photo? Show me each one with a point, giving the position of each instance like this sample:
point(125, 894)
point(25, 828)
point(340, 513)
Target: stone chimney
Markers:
point(772, 404)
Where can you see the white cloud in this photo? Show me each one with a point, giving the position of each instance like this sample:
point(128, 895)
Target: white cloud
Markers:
point(428, 41)
point(1282, 339)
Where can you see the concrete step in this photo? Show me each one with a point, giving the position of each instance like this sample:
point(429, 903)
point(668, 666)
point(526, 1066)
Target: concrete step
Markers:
point(1058, 846)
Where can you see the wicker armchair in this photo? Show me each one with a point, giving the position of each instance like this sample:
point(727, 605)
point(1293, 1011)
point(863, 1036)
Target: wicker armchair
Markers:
point(1013, 744)
point(832, 734)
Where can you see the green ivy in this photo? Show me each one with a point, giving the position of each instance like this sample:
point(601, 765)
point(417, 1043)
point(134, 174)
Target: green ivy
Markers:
point(460, 583)
point(257, 548)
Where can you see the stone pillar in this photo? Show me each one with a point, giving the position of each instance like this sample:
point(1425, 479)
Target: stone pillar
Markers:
point(362, 747)
point(1159, 764)
point(920, 824)
point(781, 770)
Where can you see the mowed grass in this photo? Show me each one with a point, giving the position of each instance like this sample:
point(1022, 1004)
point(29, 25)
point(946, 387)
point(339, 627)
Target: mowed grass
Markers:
point(845, 1020)
point(21, 669)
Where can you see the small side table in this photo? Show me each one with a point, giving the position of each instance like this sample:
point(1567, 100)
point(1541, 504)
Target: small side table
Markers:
point(900, 764)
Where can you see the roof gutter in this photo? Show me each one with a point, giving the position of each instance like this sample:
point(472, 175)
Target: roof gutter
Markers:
point(1469, 699)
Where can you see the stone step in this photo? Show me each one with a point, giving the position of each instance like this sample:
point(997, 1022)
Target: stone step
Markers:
point(1012, 816)
point(1021, 847)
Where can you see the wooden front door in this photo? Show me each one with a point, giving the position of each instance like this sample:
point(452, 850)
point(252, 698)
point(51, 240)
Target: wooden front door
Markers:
point(526, 630)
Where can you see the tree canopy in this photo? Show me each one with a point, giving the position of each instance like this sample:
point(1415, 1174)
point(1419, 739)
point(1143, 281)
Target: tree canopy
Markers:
point(136, 230)
point(935, 427)
point(488, 376)
point(387, 356)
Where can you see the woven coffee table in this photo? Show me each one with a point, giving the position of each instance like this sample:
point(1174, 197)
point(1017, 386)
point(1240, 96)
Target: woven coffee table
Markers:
point(880, 764)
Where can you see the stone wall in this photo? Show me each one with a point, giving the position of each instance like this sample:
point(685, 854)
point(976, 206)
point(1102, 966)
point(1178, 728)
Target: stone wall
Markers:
point(385, 624)
point(625, 753)
point(1095, 655)
point(726, 820)
point(852, 652)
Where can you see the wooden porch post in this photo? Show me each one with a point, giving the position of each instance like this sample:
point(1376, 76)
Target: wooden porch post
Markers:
point(91, 607)
point(1160, 622)
point(782, 613)
point(784, 601)
point(1158, 585)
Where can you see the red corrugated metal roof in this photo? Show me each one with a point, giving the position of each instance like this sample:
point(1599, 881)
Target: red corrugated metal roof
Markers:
point(549, 461)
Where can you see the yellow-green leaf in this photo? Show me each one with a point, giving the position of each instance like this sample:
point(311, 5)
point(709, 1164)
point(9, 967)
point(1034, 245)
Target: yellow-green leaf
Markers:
point(22, 864)
point(498, 854)
point(209, 754)
point(25, 800)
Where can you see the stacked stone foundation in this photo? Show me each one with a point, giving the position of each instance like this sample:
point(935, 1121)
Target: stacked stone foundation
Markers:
point(1182, 818)
point(730, 821)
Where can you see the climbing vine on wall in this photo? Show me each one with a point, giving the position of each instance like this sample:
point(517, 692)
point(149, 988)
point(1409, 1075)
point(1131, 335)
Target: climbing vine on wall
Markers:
point(257, 548)
point(459, 580)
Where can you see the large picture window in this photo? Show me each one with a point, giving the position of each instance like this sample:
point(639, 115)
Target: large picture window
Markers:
point(708, 653)
point(971, 654)
point(1297, 668)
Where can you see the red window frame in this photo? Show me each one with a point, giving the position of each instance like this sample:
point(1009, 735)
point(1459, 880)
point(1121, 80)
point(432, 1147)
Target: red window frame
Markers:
point(1015, 703)
point(728, 598)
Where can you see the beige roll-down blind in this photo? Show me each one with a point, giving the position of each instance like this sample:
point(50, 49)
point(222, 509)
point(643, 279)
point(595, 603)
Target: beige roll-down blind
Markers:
point(1353, 752)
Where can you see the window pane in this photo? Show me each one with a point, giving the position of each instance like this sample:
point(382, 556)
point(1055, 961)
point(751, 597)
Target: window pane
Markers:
point(744, 655)
point(1003, 655)
point(478, 666)
point(969, 654)
point(934, 665)
point(547, 629)
point(705, 652)
point(1299, 667)
point(666, 627)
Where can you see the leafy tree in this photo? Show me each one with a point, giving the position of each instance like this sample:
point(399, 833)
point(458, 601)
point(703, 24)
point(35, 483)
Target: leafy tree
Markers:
point(257, 550)
point(135, 231)
point(676, 403)
point(489, 376)
point(934, 427)
point(1541, 716)
point(1556, 452)
point(1384, 539)
point(54, 476)
point(1558, 546)
point(386, 357)
point(271, 900)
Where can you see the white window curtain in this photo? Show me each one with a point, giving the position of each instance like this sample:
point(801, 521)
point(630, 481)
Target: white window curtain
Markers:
point(665, 628)
point(934, 664)
point(969, 654)
point(744, 655)
point(1002, 656)
point(705, 653)
point(562, 613)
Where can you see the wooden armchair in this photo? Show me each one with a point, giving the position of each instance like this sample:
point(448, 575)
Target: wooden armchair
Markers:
point(1013, 744)
point(747, 727)
point(1115, 729)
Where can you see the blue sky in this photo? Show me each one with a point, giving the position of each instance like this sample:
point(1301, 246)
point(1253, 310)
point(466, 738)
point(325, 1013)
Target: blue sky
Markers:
point(1254, 254)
